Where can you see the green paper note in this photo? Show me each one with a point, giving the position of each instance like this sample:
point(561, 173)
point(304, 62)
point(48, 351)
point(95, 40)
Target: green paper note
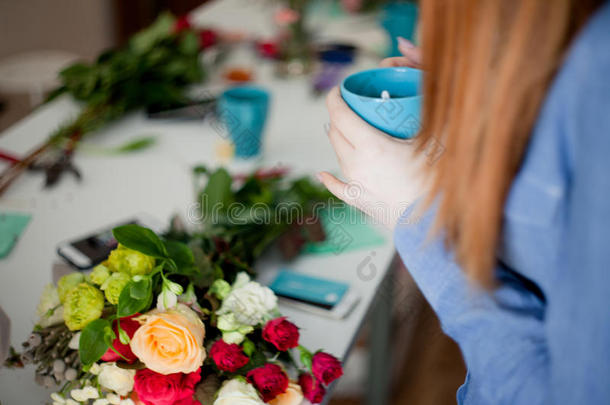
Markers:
point(11, 226)
point(346, 230)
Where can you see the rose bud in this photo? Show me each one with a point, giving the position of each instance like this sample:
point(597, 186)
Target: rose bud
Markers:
point(281, 333)
point(270, 380)
point(130, 326)
point(326, 368)
point(228, 357)
point(182, 23)
point(312, 390)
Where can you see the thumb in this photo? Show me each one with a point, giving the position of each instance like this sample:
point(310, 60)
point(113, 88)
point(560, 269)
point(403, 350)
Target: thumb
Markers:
point(333, 184)
point(409, 50)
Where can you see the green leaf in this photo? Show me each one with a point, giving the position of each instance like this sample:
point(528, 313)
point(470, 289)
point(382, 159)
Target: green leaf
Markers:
point(135, 297)
point(305, 357)
point(136, 145)
point(144, 41)
point(217, 192)
point(141, 239)
point(248, 347)
point(180, 254)
point(94, 340)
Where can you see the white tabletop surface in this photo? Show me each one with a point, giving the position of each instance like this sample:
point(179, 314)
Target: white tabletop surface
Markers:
point(158, 182)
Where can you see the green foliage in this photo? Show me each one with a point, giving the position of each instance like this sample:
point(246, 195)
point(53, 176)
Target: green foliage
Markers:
point(140, 239)
point(95, 339)
point(153, 69)
point(135, 297)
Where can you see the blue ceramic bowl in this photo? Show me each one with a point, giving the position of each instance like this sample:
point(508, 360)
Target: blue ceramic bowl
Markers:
point(399, 115)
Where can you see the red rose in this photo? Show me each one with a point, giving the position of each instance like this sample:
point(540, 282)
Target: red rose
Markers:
point(182, 24)
point(130, 326)
point(312, 390)
point(228, 357)
point(268, 49)
point(270, 380)
point(207, 38)
point(326, 368)
point(165, 389)
point(281, 333)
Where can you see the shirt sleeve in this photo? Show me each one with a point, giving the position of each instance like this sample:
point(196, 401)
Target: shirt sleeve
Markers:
point(500, 333)
point(578, 314)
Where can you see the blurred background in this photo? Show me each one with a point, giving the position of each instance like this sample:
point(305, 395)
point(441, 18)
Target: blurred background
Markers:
point(319, 45)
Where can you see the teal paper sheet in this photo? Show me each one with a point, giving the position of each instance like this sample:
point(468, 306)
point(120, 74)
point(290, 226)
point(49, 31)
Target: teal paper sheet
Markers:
point(346, 230)
point(11, 227)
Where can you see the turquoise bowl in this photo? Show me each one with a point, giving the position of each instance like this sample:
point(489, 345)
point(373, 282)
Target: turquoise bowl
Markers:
point(399, 115)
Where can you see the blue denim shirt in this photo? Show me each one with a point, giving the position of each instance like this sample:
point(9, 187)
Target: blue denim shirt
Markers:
point(542, 337)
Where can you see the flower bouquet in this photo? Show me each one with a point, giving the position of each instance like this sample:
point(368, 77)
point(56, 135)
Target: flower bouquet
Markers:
point(141, 329)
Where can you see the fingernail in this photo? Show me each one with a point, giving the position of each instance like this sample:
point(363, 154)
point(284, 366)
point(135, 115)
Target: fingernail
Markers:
point(319, 177)
point(405, 42)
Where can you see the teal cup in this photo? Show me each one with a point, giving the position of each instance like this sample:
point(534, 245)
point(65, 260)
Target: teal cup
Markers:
point(243, 112)
point(398, 115)
point(399, 19)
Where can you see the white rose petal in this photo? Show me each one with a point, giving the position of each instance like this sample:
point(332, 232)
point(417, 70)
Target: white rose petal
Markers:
point(166, 300)
point(237, 392)
point(57, 398)
point(100, 401)
point(114, 399)
point(127, 401)
point(250, 303)
point(116, 379)
point(91, 392)
point(78, 395)
point(241, 280)
point(95, 369)
point(74, 341)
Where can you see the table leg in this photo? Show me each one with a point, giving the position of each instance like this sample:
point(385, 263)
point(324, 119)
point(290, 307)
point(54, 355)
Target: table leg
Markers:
point(380, 365)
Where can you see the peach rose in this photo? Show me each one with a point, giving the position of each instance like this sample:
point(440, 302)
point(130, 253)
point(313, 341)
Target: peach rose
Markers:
point(292, 396)
point(170, 341)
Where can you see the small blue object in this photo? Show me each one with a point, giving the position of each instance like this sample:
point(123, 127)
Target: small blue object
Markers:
point(399, 115)
point(309, 289)
point(243, 112)
point(399, 19)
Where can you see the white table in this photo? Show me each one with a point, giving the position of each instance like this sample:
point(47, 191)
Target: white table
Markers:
point(158, 181)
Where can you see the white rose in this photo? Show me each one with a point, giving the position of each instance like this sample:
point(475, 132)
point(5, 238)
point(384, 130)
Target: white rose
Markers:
point(237, 392)
point(49, 310)
point(250, 303)
point(116, 379)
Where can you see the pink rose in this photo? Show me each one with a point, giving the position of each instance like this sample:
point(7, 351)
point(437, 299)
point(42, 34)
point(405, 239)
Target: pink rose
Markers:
point(281, 333)
point(312, 390)
point(228, 357)
point(326, 368)
point(270, 380)
point(165, 389)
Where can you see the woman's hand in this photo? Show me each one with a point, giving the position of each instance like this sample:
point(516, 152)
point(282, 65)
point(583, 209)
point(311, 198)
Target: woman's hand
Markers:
point(381, 171)
point(411, 56)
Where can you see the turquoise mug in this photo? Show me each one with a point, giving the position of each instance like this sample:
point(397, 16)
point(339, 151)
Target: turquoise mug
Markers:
point(399, 19)
point(398, 115)
point(243, 112)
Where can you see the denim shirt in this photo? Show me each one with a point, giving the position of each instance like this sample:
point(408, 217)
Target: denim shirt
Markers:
point(543, 336)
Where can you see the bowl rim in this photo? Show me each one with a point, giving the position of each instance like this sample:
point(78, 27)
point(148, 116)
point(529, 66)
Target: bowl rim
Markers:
point(344, 89)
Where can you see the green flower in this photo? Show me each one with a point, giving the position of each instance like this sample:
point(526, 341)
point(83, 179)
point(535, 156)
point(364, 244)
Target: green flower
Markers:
point(125, 260)
point(84, 303)
point(232, 330)
point(99, 274)
point(66, 283)
point(220, 288)
point(113, 286)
